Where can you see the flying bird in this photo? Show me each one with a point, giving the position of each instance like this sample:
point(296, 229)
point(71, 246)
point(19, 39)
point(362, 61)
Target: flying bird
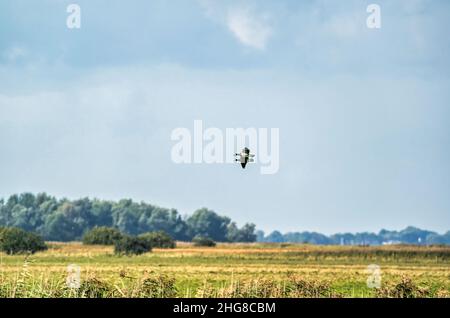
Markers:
point(244, 157)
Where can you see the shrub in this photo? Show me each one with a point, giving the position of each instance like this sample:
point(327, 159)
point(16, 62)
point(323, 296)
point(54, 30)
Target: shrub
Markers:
point(131, 245)
point(95, 288)
point(15, 241)
point(302, 288)
point(102, 236)
point(406, 288)
point(158, 287)
point(203, 241)
point(158, 239)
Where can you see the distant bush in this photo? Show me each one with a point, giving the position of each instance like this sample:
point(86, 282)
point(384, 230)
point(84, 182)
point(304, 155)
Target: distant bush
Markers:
point(157, 287)
point(203, 241)
point(102, 236)
point(406, 288)
point(95, 288)
point(15, 241)
point(158, 239)
point(131, 245)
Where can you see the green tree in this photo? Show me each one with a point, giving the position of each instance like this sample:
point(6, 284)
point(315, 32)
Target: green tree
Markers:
point(207, 223)
point(203, 241)
point(66, 224)
point(15, 241)
point(275, 237)
point(158, 239)
point(101, 212)
point(131, 245)
point(245, 234)
point(102, 236)
point(125, 216)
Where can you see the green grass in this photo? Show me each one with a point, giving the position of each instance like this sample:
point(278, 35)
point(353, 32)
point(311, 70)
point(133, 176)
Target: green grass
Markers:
point(229, 270)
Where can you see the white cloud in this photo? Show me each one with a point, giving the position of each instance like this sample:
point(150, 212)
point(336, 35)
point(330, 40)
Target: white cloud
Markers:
point(250, 29)
point(249, 26)
point(14, 53)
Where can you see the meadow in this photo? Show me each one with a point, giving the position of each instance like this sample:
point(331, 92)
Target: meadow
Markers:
point(229, 270)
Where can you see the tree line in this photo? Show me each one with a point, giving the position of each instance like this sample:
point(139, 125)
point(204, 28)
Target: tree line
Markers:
point(68, 220)
point(409, 235)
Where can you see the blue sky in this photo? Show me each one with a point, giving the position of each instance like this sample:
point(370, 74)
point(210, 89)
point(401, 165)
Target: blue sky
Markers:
point(363, 114)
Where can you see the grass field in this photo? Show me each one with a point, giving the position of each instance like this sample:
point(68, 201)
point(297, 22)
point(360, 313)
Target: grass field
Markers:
point(229, 270)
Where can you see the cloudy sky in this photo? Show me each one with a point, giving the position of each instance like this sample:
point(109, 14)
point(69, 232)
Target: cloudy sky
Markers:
point(364, 114)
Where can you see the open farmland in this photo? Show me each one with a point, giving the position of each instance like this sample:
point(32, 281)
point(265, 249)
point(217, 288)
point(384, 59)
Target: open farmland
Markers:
point(229, 270)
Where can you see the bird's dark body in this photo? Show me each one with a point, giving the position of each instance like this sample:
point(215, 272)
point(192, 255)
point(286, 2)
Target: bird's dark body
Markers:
point(247, 153)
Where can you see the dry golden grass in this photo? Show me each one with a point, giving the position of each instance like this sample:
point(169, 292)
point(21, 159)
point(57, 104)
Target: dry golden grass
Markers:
point(229, 270)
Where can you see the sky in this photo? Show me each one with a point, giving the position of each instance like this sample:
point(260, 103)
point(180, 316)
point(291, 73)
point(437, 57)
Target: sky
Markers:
point(363, 114)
